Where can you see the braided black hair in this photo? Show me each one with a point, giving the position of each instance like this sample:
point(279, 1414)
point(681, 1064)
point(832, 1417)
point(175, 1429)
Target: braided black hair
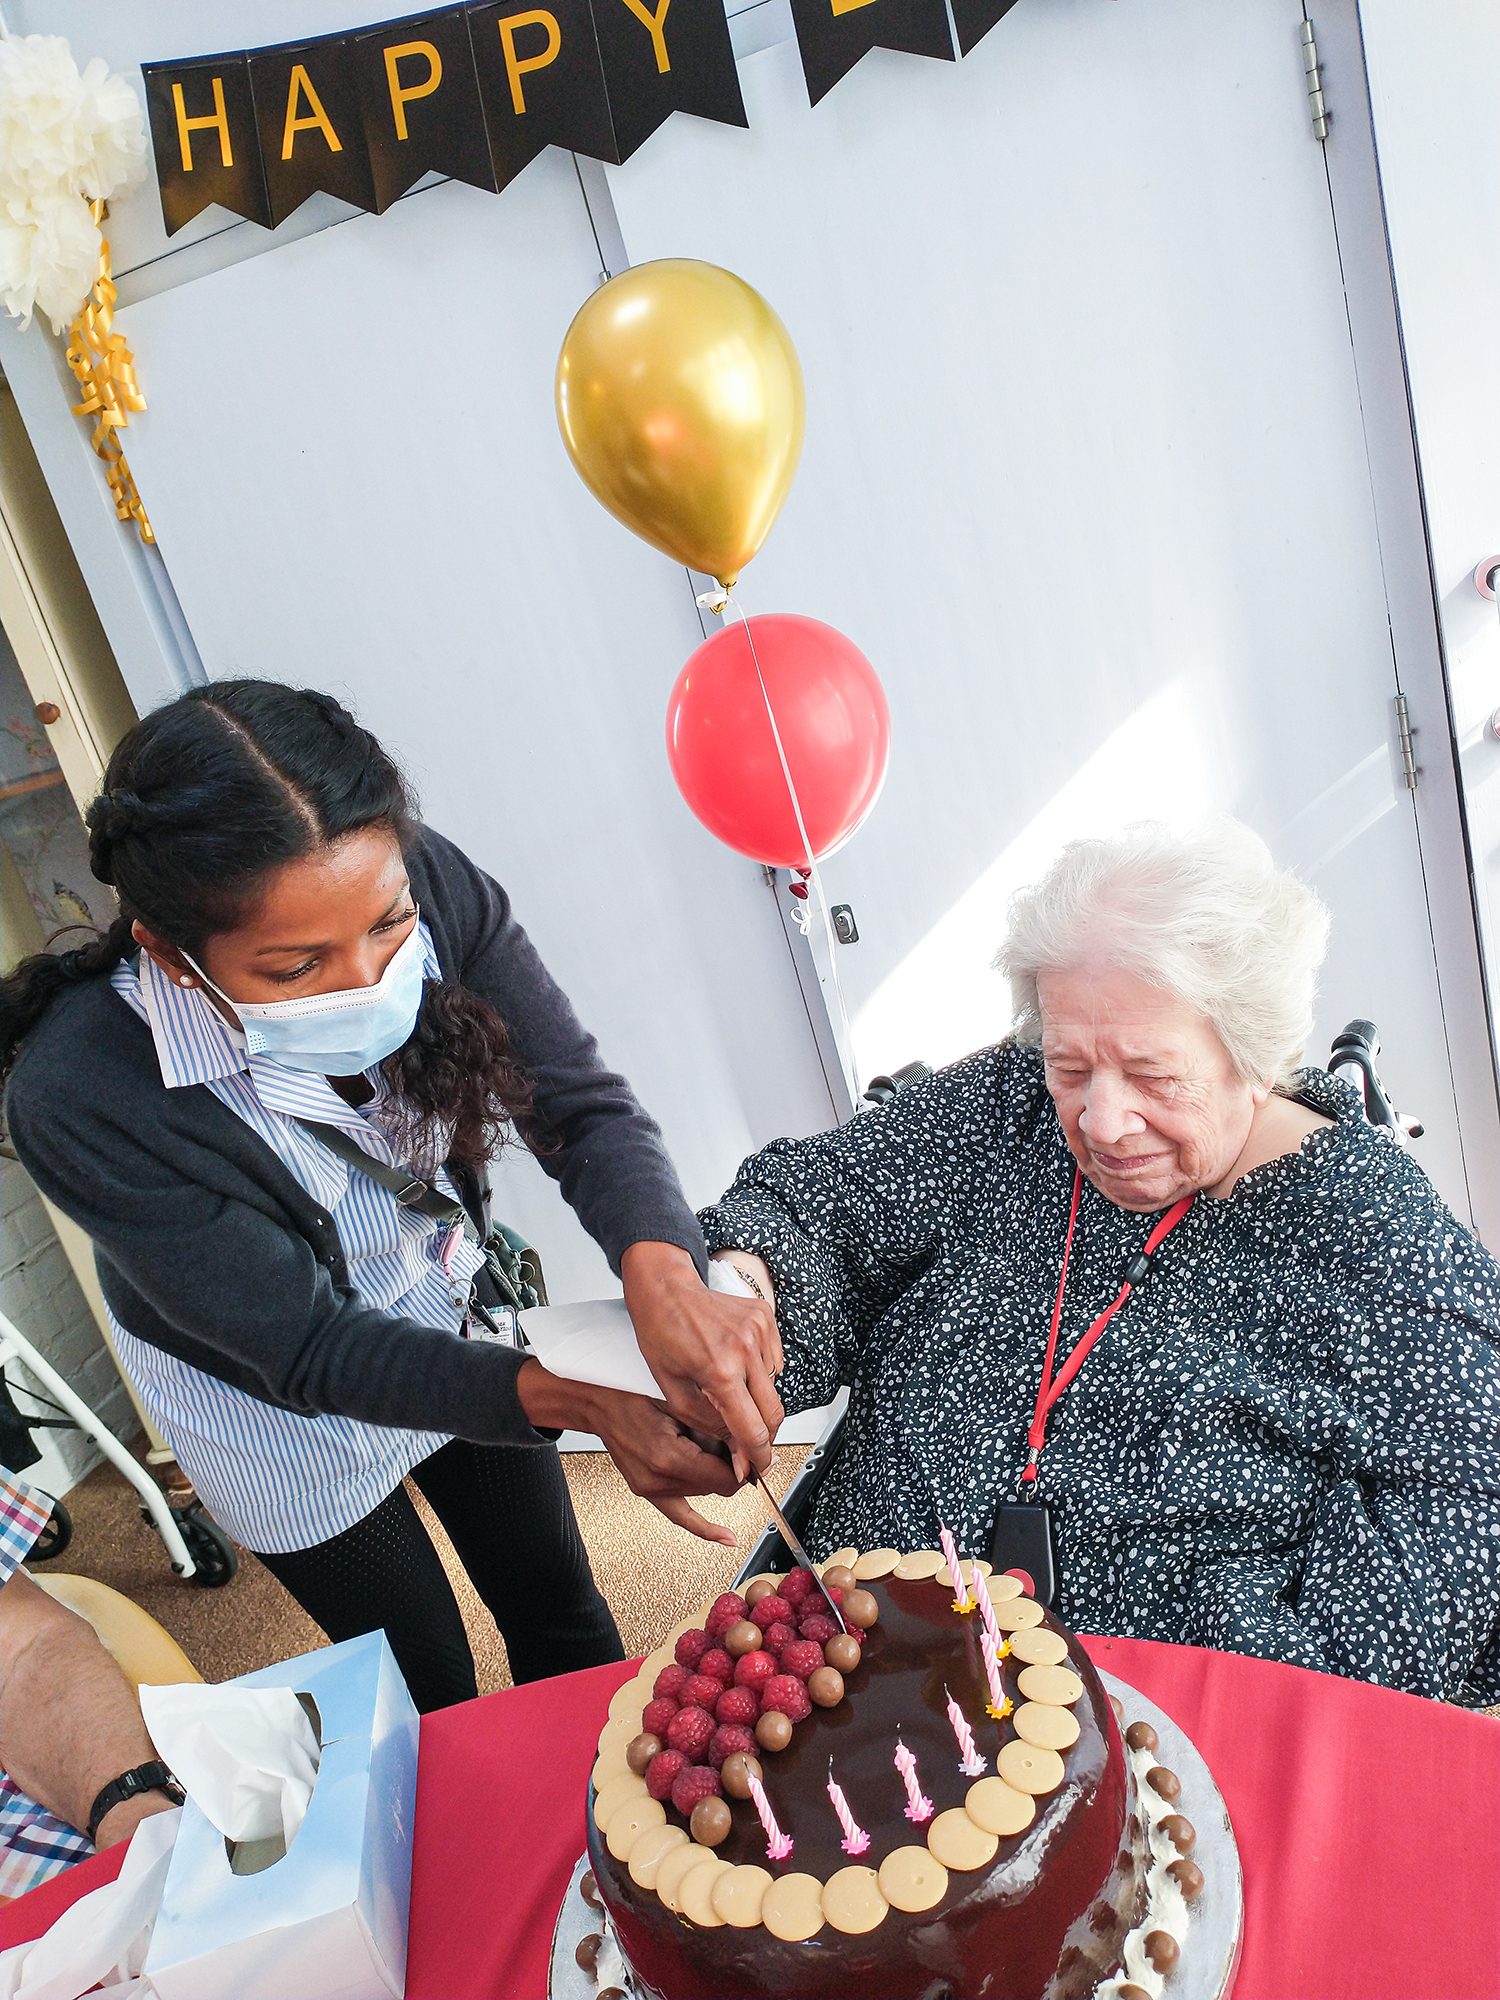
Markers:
point(206, 796)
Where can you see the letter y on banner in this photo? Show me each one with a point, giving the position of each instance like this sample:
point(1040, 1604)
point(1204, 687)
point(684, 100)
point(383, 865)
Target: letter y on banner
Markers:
point(833, 34)
point(662, 56)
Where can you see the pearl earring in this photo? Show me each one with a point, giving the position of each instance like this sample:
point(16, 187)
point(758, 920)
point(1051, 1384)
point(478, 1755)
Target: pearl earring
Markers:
point(184, 980)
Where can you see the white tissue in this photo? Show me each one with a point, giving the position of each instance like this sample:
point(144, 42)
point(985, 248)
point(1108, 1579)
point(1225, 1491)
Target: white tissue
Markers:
point(595, 1342)
point(101, 1940)
point(247, 1757)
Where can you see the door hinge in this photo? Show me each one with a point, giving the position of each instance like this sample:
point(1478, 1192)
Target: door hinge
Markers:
point(1409, 769)
point(1314, 75)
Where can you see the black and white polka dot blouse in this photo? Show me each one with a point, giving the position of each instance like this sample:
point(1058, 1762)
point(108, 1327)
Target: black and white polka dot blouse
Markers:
point(1287, 1443)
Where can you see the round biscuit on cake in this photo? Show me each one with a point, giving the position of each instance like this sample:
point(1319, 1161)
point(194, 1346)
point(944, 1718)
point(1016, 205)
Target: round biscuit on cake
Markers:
point(1004, 1587)
point(650, 1851)
point(852, 1901)
point(999, 1807)
point(740, 1894)
point(629, 1822)
point(840, 1559)
point(695, 1899)
point(960, 1842)
point(1058, 1687)
point(616, 1794)
point(918, 1563)
point(1047, 1727)
point(1029, 1768)
point(1014, 1614)
point(912, 1879)
point(793, 1908)
point(875, 1562)
point(1038, 1647)
point(629, 1699)
point(674, 1865)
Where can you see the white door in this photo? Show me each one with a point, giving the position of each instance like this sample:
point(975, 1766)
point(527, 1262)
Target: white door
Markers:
point(1085, 476)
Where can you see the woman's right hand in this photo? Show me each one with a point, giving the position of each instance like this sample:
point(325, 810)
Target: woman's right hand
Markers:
point(656, 1457)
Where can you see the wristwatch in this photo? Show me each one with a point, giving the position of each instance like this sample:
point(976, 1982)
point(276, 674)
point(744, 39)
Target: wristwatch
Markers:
point(129, 1785)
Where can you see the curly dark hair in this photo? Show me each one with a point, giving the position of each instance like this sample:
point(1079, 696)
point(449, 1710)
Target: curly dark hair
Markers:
point(201, 801)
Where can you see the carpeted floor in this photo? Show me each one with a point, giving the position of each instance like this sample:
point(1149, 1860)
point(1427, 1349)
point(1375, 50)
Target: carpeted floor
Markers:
point(651, 1573)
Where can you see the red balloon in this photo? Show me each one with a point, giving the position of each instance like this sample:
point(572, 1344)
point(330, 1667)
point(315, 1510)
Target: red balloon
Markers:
point(831, 716)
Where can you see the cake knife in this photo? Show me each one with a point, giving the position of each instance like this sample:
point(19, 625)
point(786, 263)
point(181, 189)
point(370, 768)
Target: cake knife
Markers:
point(799, 1554)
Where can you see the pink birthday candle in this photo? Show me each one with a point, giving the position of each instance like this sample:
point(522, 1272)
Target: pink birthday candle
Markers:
point(998, 1706)
point(778, 1844)
point(855, 1840)
point(963, 1599)
point(991, 1622)
point(973, 1765)
point(918, 1806)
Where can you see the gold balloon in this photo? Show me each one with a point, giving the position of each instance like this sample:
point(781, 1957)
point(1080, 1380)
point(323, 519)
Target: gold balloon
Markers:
point(679, 395)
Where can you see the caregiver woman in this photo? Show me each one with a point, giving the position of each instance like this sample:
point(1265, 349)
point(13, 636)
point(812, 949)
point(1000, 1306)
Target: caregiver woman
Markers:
point(294, 946)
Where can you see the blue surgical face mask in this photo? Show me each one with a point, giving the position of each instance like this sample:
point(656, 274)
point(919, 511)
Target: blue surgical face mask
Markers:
point(336, 1034)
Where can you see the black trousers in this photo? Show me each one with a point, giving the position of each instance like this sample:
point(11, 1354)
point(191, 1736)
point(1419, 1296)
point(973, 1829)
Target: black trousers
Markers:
point(510, 1517)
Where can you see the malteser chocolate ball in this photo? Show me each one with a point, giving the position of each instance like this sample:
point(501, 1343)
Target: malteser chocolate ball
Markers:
point(839, 1577)
point(742, 1637)
point(826, 1686)
point(762, 1587)
point(1114, 1702)
point(774, 1730)
point(860, 1609)
point(1141, 1736)
point(612, 1993)
point(588, 1888)
point(1188, 1876)
point(710, 1822)
point(1181, 1832)
point(1161, 1949)
point(587, 1954)
point(736, 1772)
point(842, 1651)
point(640, 1750)
point(1134, 1992)
point(1166, 1784)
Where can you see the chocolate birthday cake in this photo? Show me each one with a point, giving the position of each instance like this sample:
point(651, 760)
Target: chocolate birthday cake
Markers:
point(937, 1802)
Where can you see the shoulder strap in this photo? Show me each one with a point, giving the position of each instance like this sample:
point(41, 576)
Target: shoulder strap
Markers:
point(408, 1189)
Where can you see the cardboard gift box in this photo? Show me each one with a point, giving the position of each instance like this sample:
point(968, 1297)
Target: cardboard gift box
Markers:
point(326, 1917)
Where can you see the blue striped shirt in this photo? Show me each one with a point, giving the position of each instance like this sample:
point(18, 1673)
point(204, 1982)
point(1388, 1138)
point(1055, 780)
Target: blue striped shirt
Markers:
point(276, 1480)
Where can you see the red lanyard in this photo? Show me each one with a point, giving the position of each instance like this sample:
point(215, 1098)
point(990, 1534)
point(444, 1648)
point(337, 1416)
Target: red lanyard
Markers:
point(1052, 1387)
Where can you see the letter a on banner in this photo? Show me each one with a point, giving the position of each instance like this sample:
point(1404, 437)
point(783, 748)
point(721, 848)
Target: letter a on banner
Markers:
point(311, 133)
point(832, 35)
point(204, 137)
point(541, 82)
point(662, 56)
point(419, 98)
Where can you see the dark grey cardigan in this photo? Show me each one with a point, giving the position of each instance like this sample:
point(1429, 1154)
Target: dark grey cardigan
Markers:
point(210, 1249)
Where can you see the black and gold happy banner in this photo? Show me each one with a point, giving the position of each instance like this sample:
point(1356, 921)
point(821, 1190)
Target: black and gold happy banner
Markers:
point(476, 91)
point(472, 91)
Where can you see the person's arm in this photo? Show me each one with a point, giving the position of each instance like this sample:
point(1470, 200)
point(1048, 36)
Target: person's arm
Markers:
point(715, 1357)
point(1397, 1580)
point(844, 1222)
point(69, 1720)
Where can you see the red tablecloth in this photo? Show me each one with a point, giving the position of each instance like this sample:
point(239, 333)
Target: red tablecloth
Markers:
point(1368, 1826)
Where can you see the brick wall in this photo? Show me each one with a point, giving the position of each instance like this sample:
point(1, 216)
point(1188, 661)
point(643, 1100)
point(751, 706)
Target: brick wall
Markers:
point(40, 1294)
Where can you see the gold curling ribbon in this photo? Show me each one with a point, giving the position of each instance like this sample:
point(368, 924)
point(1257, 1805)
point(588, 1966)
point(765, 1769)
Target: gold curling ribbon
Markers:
point(105, 368)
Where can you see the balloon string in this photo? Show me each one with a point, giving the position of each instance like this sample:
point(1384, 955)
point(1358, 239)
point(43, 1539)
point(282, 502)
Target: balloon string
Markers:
point(815, 874)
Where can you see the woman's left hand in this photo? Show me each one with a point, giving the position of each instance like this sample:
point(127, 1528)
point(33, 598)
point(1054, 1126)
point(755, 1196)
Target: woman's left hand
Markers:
point(714, 1356)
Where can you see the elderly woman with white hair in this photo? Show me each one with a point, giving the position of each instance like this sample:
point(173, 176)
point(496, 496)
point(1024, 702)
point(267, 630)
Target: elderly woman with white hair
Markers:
point(1280, 1433)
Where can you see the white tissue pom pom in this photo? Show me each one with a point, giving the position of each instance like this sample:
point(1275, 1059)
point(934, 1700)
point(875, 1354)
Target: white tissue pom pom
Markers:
point(65, 138)
point(62, 132)
point(49, 253)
